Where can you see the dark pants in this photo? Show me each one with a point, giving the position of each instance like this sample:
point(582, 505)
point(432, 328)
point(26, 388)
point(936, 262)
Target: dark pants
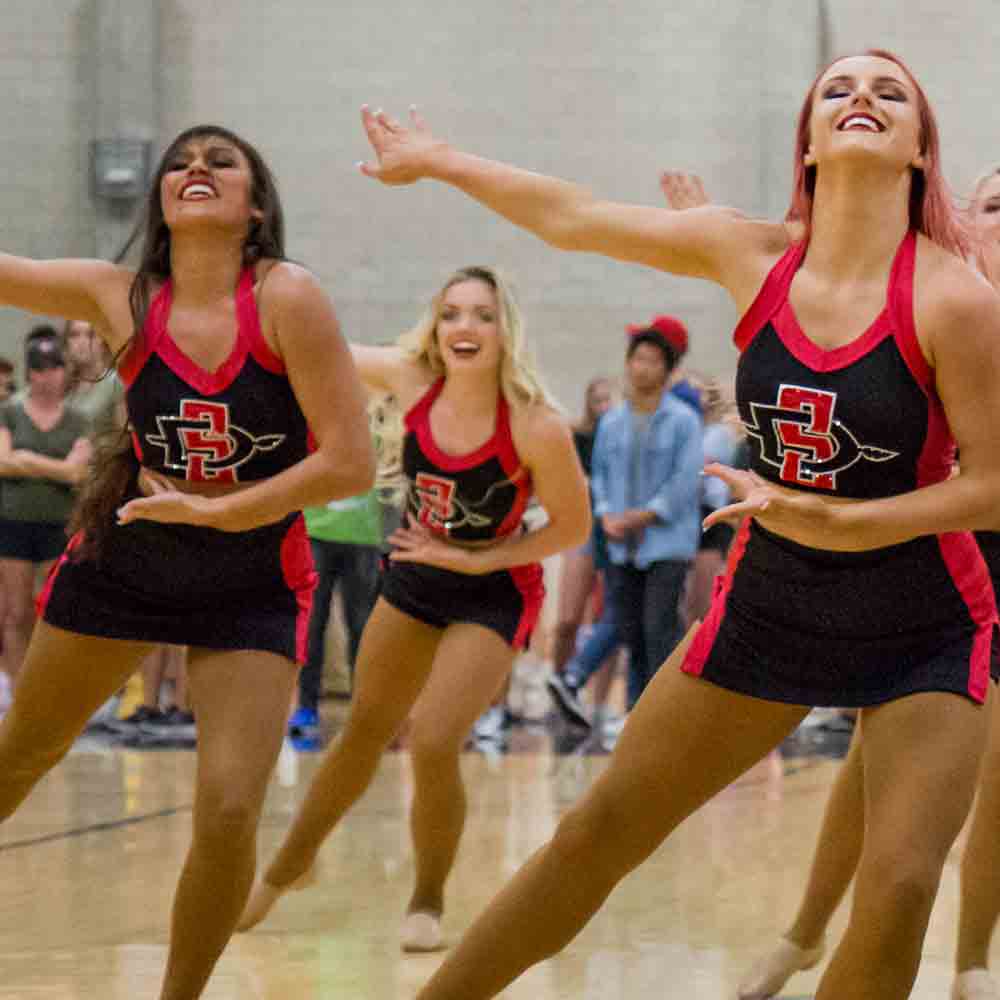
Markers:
point(647, 602)
point(355, 568)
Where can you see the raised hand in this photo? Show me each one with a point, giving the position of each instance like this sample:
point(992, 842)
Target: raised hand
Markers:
point(682, 190)
point(402, 154)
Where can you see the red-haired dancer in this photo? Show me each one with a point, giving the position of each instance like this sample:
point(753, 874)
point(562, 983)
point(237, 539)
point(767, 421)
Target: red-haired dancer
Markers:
point(855, 580)
point(840, 843)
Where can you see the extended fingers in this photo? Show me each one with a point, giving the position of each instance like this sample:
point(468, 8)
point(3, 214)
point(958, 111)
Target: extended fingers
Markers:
point(736, 511)
point(682, 189)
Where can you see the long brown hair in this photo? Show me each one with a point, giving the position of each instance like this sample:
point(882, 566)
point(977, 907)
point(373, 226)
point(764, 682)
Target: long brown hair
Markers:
point(115, 467)
point(932, 208)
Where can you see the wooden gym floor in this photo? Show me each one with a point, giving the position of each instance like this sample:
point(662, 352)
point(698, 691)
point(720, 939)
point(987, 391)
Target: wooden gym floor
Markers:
point(88, 866)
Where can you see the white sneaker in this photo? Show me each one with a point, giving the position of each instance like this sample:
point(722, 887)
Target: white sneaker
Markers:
point(421, 932)
point(975, 984)
point(771, 972)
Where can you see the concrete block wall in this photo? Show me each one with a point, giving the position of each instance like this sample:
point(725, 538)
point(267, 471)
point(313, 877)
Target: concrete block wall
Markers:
point(604, 94)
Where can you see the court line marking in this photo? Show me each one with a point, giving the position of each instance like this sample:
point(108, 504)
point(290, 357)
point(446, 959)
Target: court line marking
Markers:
point(107, 825)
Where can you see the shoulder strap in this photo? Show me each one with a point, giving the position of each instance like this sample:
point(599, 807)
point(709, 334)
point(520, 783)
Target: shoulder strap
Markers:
point(772, 295)
point(900, 299)
point(417, 413)
point(248, 325)
point(147, 339)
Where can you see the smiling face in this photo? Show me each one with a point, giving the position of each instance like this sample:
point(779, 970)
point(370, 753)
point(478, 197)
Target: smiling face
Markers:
point(468, 328)
point(865, 108)
point(207, 181)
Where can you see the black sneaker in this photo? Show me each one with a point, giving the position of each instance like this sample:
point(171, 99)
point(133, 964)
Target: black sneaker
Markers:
point(131, 723)
point(566, 700)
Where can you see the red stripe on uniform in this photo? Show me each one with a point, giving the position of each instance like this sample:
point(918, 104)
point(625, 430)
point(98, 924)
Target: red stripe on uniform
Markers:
point(971, 577)
point(528, 580)
point(300, 576)
point(43, 597)
point(772, 294)
point(701, 646)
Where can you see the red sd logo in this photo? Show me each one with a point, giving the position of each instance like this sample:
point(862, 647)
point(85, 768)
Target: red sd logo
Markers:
point(435, 501)
point(201, 444)
point(800, 437)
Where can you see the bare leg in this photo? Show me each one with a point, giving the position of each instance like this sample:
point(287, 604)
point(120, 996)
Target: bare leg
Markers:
point(648, 789)
point(154, 669)
point(66, 677)
point(394, 661)
point(979, 905)
point(707, 565)
point(470, 664)
point(241, 698)
point(834, 863)
point(921, 759)
point(176, 658)
point(576, 581)
point(17, 577)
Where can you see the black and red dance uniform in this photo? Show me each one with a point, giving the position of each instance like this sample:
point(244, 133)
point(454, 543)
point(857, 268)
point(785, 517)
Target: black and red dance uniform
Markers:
point(183, 584)
point(477, 497)
point(808, 626)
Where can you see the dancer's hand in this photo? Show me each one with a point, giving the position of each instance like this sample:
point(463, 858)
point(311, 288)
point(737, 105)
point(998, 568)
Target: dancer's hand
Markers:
point(415, 543)
point(403, 155)
point(805, 517)
point(162, 501)
point(682, 190)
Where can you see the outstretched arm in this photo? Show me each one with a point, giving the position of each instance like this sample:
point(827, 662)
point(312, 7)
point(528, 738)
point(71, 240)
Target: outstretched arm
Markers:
point(76, 289)
point(710, 242)
point(389, 370)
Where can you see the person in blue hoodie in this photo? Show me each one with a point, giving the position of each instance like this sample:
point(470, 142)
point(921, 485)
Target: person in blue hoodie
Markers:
point(646, 481)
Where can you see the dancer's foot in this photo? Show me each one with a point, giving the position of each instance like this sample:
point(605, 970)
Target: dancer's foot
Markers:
point(264, 895)
point(975, 984)
point(421, 932)
point(772, 971)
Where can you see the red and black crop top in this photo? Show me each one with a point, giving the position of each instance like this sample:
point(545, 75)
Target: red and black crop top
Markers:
point(474, 497)
point(863, 420)
point(239, 423)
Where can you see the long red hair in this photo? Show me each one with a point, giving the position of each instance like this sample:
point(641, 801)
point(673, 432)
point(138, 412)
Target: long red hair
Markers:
point(932, 208)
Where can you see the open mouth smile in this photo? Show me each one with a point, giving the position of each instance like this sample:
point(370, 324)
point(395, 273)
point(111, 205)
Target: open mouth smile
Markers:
point(860, 122)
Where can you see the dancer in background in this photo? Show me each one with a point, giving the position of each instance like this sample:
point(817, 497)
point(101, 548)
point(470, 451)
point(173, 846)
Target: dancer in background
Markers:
point(463, 586)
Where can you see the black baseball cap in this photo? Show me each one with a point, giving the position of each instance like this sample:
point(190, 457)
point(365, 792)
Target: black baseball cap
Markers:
point(43, 353)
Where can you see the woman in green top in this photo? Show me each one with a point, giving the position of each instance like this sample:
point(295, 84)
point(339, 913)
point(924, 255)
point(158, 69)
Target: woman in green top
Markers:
point(44, 452)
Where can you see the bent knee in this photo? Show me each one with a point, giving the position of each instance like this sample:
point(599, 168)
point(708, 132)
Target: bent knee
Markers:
point(904, 881)
point(226, 815)
point(430, 742)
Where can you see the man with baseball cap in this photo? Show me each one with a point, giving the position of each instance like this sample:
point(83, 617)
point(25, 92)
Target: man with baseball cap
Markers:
point(646, 481)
